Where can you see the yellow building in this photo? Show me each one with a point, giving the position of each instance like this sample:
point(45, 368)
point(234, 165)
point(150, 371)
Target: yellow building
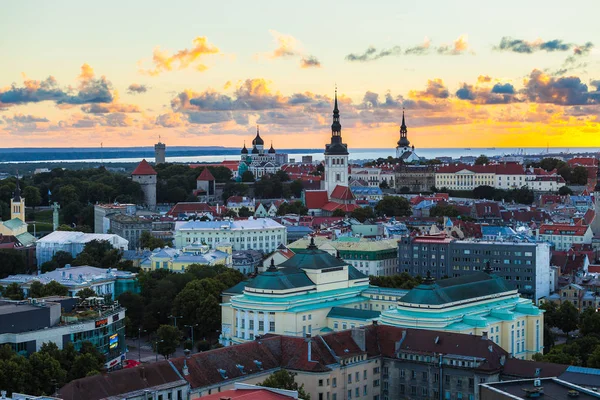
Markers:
point(178, 260)
point(16, 224)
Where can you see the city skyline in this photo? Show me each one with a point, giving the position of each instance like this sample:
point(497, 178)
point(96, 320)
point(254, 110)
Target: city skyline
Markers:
point(200, 76)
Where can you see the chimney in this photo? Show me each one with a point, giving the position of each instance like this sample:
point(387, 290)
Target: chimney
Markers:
point(399, 342)
point(359, 337)
point(185, 368)
point(502, 360)
point(3, 394)
point(484, 335)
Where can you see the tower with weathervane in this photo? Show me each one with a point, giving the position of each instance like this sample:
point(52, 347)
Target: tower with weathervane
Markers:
point(336, 155)
point(404, 151)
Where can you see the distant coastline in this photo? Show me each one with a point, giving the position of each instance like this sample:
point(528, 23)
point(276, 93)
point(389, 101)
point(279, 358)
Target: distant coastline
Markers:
point(191, 154)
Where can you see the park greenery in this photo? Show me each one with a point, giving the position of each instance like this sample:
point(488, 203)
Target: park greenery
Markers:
point(48, 369)
point(193, 295)
point(283, 379)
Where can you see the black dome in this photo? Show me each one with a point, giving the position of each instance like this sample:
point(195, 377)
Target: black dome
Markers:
point(244, 150)
point(272, 150)
point(254, 150)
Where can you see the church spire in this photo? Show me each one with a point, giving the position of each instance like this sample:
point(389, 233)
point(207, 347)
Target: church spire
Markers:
point(336, 127)
point(403, 142)
point(403, 123)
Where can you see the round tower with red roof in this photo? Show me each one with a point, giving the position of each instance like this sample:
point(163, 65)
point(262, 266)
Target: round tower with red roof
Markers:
point(146, 176)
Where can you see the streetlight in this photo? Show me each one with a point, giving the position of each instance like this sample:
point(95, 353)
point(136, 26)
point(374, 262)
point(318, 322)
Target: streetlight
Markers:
point(156, 342)
point(175, 319)
point(192, 329)
point(140, 343)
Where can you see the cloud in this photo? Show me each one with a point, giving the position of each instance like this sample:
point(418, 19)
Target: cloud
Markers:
point(543, 88)
point(465, 92)
point(372, 54)
point(24, 119)
point(172, 120)
point(136, 88)
point(482, 92)
point(555, 45)
point(435, 89)
point(420, 49)
point(310, 62)
point(506, 88)
point(187, 58)
point(105, 108)
point(460, 46)
point(371, 100)
point(91, 90)
point(289, 47)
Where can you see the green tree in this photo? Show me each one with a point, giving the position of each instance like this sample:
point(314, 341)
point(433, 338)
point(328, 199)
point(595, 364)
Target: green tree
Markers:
point(362, 213)
point(14, 292)
point(441, 210)
point(296, 188)
point(36, 289)
point(244, 212)
point(99, 253)
point(589, 322)
point(579, 175)
point(284, 379)
point(13, 263)
point(567, 317)
point(484, 192)
point(32, 196)
point(147, 241)
point(48, 373)
point(557, 356)
point(550, 313)
point(594, 358)
point(338, 213)
point(54, 288)
point(384, 185)
point(565, 190)
point(49, 266)
point(85, 293)
point(482, 159)
point(62, 258)
point(404, 189)
point(85, 364)
point(393, 206)
point(169, 338)
point(247, 176)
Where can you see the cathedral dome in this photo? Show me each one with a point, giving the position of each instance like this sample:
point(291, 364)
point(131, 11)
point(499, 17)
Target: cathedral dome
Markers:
point(254, 150)
point(244, 150)
point(271, 150)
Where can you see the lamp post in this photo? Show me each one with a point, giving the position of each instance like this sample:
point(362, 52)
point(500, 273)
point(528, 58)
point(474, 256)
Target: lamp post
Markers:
point(156, 342)
point(192, 329)
point(175, 319)
point(140, 343)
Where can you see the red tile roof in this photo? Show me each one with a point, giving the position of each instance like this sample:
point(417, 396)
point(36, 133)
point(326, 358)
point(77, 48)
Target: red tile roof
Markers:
point(342, 193)
point(315, 199)
point(517, 368)
point(195, 208)
point(144, 168)
point(332, 206)
point(487, 209)
point(205, 175)
point(583, 161)
point(594, 268)
point(560, 229)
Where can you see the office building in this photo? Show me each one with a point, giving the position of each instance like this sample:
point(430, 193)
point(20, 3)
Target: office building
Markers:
point(130, 228)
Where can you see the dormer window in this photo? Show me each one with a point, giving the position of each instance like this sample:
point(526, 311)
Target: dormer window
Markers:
point(258, 365)
point(241, 368)
point(223, 373)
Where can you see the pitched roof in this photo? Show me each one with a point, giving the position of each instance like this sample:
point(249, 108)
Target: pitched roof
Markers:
point(315, 199)
point(195, 208)
point(144, 168)
point(352, 313)
point(281, 279)
point(247, 394)
point(563, 229)
point(123, 381)
point(332, 206)
point(517, 368)
point(205, 175)
point(452, 290)
point(342, 193)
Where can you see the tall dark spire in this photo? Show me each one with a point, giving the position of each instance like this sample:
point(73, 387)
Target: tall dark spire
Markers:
point(403, 142)
point(336, 127)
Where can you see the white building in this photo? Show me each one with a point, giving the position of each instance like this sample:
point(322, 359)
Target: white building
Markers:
point(373, 176)
point(72, 242)
point(261, 234)
point(258, 161)
point(563, 236)
point(404, 151)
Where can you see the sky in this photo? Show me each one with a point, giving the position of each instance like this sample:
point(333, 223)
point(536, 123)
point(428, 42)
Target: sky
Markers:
point(466, 73)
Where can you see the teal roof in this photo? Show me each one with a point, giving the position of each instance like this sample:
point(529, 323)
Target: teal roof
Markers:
point(281, 279)
point(236, 289)
point(352, 313)
point(452, 290)
point(353, 273)
point(14, 223)
point(313, 259)
point(25, 238)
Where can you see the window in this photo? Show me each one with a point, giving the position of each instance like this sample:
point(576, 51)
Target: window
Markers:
point(447, 379)
point(271, 326)
point(334, 382)
point(365, 390)
point(413, 390)
point(320, 396)
point(459, 396)
point(357, 376)
point(402, 389)
point(349, 378)
point(424, 375)
point(320, 382)
point(334, 396)
point(413, 374)
point(357, 392)
point(376, 383)
point(376, 370)
point(424, 391)
point(349, 394)
point(365, 374)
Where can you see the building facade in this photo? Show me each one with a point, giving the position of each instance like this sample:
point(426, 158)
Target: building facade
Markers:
point(403, 150)
point(417, 178)
point(261, 234)
point(27, 325)
point(260, 161)
point(478, 304)
point(159, 153)
point(564, 236)
point(16, 225)
point(72, 242)
point(130, 228)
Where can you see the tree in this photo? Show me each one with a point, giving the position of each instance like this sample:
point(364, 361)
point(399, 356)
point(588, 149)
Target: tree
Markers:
point(284, 379)
point(565, 190)
point(589, 322)
point(296, 187)
point(13, 263)
point(48, 373)
point(54, 288)
point(441, 210)
point(362, 213)
point(147, 241)
point(169, 338)
point(62, 258)
point(579, 175)
point(550, 313)
point(36, 289)
point(393, 206)
point(405, 189)
point(85, 364)
point(482, 160)
point(99, 253)
point(567, 317)
point(244, 212)
point(594, 358)
point(338, 212)
point(230, 214)
point(85, 293)
point(247, 176)
point(384, 185)
point(484, 192)
point(14, 292)
point(32, 196)
point(401, 281)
